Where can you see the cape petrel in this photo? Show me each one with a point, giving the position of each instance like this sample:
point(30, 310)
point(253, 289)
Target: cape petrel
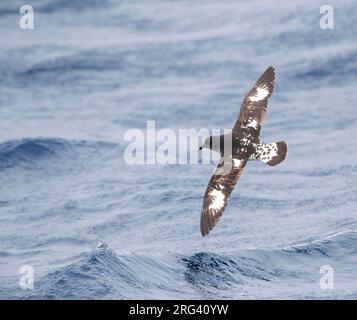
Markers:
point(245, 145)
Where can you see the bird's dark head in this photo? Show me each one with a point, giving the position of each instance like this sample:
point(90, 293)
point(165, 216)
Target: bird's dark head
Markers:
point(207, 144)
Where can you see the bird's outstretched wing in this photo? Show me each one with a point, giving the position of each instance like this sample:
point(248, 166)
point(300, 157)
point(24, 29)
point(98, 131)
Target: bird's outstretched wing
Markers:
point(218, 191)
point(254, 105)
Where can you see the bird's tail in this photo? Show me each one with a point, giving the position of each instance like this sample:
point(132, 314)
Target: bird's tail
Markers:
point(271, 153)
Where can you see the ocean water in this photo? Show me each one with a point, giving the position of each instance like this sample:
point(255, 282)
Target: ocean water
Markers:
point(93, 227)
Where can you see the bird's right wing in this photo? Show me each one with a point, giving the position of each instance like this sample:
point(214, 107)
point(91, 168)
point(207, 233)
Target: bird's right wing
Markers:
point(254, 105)
point(218, 191)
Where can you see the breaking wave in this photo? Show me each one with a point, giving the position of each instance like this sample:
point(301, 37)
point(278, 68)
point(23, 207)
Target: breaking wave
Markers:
point(105, 273)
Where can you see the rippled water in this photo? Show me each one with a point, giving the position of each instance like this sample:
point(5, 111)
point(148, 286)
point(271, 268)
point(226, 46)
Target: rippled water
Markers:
point(94, 227)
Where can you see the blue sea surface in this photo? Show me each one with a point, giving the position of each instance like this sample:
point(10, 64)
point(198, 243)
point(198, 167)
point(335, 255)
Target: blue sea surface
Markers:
point(94, 227)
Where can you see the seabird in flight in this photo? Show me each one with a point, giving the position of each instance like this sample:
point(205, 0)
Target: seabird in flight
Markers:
point(244, 145)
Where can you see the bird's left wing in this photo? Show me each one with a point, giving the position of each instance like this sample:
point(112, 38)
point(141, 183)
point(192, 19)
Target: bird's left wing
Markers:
point(218, 191)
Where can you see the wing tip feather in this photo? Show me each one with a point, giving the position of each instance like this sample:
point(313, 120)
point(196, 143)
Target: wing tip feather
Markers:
point(207, 222)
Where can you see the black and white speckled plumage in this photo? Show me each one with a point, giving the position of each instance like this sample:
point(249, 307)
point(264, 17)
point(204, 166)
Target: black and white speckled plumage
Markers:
point(244, 144)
